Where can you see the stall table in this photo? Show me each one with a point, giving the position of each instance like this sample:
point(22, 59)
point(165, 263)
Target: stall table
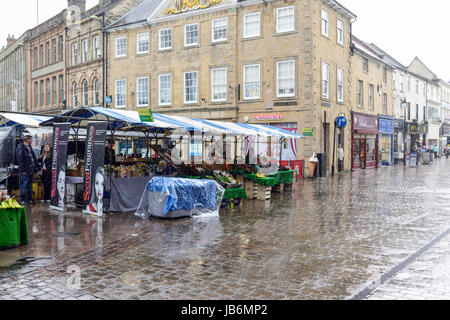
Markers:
point(283, 177)
point(13, 228)
point(233, 197)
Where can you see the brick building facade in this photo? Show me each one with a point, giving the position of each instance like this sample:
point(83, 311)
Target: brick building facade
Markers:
point(46, 65)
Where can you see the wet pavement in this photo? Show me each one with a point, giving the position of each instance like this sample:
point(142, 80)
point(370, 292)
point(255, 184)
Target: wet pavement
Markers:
point(330, 239)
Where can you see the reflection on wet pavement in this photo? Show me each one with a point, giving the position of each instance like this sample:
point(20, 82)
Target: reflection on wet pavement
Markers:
point(325, 241)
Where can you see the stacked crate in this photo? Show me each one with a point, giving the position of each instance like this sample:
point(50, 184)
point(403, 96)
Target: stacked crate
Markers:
point(251, 188)
point(263, 193)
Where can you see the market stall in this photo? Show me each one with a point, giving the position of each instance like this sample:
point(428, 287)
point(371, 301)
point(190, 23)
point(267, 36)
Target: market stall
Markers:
point(112, 123)
point(12, 126)
point(146, 149)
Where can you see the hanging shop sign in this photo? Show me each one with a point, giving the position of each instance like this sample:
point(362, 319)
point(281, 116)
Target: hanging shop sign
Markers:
point(94, 172)
point(60, 142)
point(268, 116)
point(308, 132)
point(146, 115)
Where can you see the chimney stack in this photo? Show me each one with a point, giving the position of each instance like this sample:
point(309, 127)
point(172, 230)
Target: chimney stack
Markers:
point(10, 40)
point(79, 3)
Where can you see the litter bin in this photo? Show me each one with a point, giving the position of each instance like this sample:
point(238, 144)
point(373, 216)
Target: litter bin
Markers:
point(322, 165)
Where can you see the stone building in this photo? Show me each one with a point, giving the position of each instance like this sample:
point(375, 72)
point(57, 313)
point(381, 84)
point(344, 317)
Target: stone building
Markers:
point(86, 49)
point(283, 63)
point(13, 75)
point(433, 103)
point(372, 107)
point(46, 66)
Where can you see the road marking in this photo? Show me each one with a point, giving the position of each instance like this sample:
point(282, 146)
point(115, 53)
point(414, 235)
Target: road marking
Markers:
point(395, 270)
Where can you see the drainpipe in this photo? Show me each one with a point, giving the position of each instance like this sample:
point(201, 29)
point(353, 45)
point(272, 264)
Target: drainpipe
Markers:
point(66, 65)
point(104, 61)
point(351, 136)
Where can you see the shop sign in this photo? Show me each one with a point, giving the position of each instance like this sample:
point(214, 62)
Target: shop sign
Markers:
point(146, 115)
point(446, 131)
point(365, 123)
point(285, 103)
point(386, 125)
point(415, 128)
point(399, 124)
point(308, 132)
point(268, 116)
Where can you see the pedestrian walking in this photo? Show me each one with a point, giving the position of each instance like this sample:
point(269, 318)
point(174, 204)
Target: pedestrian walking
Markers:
point(45, 163)
point(28, 166)
point(341, 155)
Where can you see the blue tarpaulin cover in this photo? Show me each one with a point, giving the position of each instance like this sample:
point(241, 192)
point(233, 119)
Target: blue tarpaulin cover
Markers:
point(176, 197)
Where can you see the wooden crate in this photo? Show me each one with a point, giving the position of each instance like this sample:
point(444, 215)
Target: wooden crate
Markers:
point(288, 187)
point(279, 188)
point(251, 188)
point(264, 193)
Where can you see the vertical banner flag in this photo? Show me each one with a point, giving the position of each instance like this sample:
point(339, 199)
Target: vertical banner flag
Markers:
point(94, 171)
point(61, 133)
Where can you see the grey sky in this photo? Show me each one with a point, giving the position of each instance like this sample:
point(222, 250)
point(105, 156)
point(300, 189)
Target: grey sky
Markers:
point(17, 16)
point(403, 28)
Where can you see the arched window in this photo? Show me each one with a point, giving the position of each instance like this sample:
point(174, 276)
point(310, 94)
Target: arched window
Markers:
point(96, 92)
point(85, 93)
point(75, 94)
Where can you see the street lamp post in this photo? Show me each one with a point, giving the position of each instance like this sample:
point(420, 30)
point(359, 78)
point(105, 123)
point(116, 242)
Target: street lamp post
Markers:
point(404, 105)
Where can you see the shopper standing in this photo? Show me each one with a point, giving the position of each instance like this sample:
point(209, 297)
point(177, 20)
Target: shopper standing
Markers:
point(45, 163)
point(341, 155)
point(110, 154)
point(28, 166)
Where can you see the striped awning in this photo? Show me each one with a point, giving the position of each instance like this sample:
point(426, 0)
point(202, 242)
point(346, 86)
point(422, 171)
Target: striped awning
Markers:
point(26, 120)
point(120, 119)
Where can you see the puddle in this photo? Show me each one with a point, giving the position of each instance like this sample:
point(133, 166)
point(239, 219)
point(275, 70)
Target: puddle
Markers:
point(24, 265)
point(66, 234)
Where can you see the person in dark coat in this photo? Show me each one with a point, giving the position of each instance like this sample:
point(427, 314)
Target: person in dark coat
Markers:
point(110, 154)
point(45, 163)
point(28, 166)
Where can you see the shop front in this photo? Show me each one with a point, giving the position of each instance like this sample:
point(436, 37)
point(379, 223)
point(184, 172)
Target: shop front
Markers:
point(446, 134)
point(399, 140)
point(434, 134)
point(416, 135)
point(365, 131)
point(386, 140)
